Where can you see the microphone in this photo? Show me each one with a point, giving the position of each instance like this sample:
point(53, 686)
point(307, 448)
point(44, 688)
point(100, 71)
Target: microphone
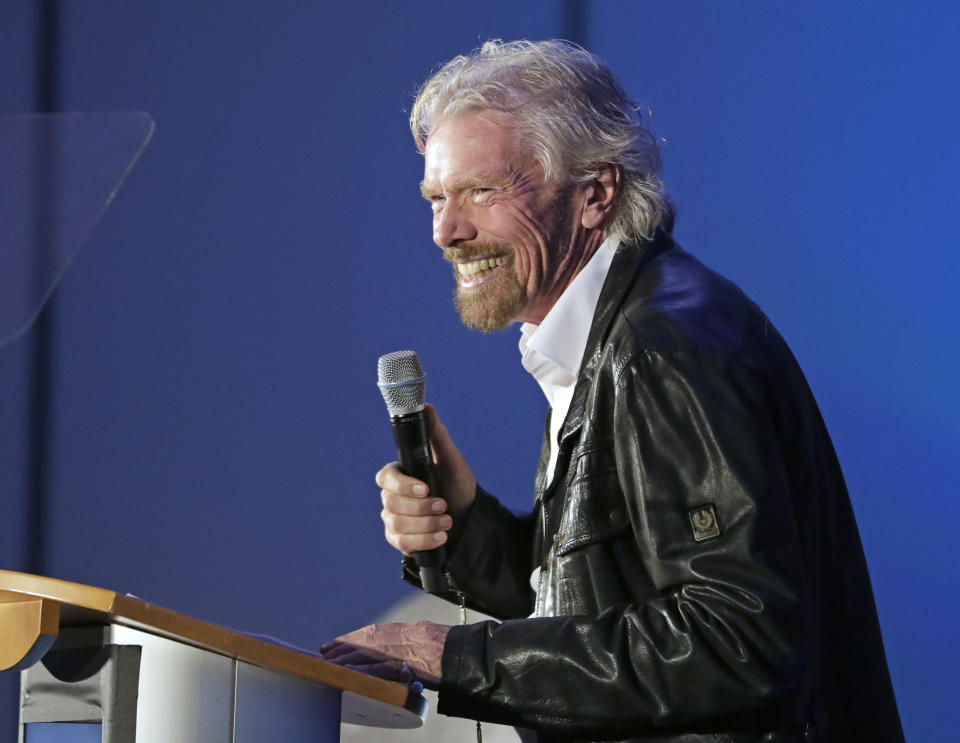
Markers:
point(402, 384)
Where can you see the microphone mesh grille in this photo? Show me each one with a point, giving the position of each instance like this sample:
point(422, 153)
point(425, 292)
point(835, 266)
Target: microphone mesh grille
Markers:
point(401, 382)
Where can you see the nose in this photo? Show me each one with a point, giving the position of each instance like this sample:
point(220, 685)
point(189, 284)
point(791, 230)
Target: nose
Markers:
point(452, 225)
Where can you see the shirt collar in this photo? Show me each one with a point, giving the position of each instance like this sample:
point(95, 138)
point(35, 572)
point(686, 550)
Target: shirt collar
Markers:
point(552, 351)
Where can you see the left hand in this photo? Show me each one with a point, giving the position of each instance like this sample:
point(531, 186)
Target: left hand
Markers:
point(394, 651)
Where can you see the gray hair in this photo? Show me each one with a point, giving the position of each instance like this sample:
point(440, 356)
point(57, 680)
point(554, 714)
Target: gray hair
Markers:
point(573, 113)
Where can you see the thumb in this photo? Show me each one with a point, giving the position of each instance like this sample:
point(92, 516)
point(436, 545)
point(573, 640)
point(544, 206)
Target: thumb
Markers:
point(444, 448)
point(458, 485)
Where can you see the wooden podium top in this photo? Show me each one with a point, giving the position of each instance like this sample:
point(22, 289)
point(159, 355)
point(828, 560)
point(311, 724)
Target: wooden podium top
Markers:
point(59, 603)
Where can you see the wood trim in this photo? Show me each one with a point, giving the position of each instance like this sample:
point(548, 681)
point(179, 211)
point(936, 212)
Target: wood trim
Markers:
point(109, 607)
point(63, 591)
point(29, 625)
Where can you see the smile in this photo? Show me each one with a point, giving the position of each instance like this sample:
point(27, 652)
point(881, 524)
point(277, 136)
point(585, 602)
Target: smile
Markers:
point(474, 273)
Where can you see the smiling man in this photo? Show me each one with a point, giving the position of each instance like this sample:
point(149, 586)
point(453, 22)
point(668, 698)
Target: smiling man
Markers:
point(516, 241)
point(691, 569)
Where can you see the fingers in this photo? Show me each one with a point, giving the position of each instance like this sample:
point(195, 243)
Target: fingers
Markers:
point(415, 525)
point(375, 642)
point(411, 534)
point(391, 478)
point(350, 655)
point(398, 651)
point(407, 505)
point(389, 670)
point(412, 520)
point(367, 660)
point(410, 543)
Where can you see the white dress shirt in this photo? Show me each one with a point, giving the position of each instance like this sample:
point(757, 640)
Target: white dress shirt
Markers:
point(552, 351)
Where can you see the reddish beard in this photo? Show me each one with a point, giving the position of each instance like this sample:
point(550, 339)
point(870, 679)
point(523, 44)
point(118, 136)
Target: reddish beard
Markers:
point(495, 303)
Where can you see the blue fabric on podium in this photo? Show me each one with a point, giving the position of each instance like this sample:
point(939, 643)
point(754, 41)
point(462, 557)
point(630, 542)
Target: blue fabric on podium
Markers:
point(63, 732)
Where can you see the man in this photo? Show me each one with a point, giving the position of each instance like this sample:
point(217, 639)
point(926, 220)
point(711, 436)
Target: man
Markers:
point(696, 569)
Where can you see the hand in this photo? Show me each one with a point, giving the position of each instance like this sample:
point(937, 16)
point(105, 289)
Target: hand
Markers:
point(398, 651)
point(415, 519)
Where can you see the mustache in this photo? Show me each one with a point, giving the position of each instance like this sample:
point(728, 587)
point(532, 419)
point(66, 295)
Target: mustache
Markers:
point(470, 251)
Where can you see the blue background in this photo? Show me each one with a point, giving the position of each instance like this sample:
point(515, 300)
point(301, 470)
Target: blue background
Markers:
point(215, 421)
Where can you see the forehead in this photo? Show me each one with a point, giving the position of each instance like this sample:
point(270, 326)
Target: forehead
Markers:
point(471, 143)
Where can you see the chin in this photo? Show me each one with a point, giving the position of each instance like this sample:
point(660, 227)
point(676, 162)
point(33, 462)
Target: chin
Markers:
point(488, 311)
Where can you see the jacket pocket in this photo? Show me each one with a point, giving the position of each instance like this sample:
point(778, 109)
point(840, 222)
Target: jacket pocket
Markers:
point(594, 508)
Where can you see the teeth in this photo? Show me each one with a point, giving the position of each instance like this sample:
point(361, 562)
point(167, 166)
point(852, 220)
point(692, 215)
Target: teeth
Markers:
point(469, 270)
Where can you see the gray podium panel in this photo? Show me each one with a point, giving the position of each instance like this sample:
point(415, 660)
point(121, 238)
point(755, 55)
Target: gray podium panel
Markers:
point(120, 685)
point(185, 693)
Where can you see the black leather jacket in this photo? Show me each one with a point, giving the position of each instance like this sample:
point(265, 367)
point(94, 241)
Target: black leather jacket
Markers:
point(702, 576)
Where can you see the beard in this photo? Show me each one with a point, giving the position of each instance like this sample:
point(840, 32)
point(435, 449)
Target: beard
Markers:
point(497, 302)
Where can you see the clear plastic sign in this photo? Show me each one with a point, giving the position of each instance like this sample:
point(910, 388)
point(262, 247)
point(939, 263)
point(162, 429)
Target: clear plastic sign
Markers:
point(58, 175)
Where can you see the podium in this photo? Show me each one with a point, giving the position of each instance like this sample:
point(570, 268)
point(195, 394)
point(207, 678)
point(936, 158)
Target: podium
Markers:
point(101, 666)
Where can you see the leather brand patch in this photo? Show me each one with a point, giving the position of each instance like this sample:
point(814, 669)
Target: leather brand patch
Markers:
point(704, 522)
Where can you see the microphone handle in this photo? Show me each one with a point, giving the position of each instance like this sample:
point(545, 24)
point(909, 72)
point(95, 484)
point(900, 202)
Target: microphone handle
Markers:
point(416, 460)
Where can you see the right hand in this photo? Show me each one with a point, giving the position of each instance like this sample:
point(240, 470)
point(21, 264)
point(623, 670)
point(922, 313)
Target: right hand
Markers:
point(415, 519)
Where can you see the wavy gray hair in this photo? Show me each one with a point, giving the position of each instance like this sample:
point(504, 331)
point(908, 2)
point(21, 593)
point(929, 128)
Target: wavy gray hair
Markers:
point(573, 113)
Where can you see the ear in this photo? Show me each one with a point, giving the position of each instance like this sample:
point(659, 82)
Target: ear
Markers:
point(600, 196)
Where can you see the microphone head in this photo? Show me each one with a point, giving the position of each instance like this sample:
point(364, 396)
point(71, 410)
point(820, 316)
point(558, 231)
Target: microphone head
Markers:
point(401, 382)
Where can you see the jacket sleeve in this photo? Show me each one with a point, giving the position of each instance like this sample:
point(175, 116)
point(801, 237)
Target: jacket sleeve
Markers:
point(490, 561)
point(723, 632)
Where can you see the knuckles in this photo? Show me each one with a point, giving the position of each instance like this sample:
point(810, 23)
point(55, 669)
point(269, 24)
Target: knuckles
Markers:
point(410, 543)
point(405, 505)
point(391, 480)
point(410, 523)
point(415, 524)
point(388, 476)
point(381, 477)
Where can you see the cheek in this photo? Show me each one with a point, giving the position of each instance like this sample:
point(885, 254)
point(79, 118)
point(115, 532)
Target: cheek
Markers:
point(498, 222)
point(531, 241)
point(505, 222)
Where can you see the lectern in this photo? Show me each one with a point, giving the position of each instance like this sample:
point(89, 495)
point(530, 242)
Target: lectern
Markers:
point(101, 666)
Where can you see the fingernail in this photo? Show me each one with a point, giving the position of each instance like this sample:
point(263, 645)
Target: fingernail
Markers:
point(446, 522)
point(440, 536)
point(439, 506)
point(420, 489)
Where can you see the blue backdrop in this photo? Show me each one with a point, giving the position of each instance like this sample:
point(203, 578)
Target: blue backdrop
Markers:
point(215, 420)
